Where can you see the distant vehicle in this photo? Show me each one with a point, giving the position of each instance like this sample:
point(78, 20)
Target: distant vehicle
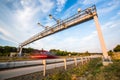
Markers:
point(42, 54)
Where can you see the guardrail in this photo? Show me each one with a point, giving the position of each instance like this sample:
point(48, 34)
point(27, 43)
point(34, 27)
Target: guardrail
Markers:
point(45, 62)
point(15, 64)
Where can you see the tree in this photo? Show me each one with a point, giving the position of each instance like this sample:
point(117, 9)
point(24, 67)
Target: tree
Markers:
point(87, 53)
point(110, 52)
point(59, 52)
point(117, 48)
point(6, 50)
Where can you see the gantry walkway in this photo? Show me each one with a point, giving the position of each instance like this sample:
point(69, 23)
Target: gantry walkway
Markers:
point(78, 18)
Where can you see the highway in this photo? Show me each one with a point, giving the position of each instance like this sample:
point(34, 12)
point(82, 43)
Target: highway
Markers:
point(50, 63)
point(16, 64)
point(5, 74)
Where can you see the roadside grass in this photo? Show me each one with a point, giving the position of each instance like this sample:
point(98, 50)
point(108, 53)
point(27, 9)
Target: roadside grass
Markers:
point(110, 72)
point(77, 73)
point(94, 70)
point(10, 59)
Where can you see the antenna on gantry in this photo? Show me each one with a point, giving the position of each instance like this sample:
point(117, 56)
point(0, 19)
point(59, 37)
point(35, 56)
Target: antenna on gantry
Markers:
point(79, 10)
point(45, 27)
point(52, 17)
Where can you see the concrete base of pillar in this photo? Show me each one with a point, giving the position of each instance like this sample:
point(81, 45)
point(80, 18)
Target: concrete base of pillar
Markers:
point(19, 54)
point(107, 61)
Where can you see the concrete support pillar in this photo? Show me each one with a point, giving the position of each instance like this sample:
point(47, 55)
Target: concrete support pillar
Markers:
point(44, 67)
point(20, 52)
point(65, 65)
point(104, 50)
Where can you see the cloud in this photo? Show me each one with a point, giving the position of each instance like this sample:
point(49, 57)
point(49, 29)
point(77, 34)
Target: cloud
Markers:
point(4, 32)
point(60, 5)
point(20, 18)
point(115, 24)
point(117, 15)
point(46, 5)
point(26, 16)
point(108, 7)
point(111, 30)
point(110, 24)
point(86, 2)
point(90, 37)
point(5, 35)
point(20, 24)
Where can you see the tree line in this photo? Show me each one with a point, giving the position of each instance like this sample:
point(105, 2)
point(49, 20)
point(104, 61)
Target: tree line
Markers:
point(6, 50)
point(58, 52)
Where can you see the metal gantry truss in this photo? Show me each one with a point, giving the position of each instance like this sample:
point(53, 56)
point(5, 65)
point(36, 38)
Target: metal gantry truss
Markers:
point(78, 18)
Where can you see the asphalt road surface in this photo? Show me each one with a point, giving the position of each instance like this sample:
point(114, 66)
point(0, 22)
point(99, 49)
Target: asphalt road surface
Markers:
point(5, 74)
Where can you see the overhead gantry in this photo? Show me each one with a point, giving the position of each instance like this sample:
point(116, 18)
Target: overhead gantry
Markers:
point(78, 18)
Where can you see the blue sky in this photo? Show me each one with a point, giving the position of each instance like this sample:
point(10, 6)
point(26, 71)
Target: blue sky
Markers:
point(19, 18)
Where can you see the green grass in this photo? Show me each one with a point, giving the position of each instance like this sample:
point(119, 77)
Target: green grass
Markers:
point(77, 72)
point(10, 59)
point(94, 70)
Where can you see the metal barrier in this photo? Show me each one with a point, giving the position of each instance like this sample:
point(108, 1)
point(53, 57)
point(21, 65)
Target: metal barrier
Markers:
point(43, 65)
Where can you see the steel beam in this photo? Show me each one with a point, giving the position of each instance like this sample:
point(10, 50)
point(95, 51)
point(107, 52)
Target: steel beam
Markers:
point(83, 16)
point(78, 18)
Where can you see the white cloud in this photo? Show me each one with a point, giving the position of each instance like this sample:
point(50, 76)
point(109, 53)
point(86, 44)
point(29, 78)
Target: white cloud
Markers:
point(26, 18)
point(109, 7)
point(5, 35)
point(46, 5)
point(90, 37)
point(111, 30)
point(4, 32)
point(23, 18)
point(116, 16)
point(90, 43)
point(28, 14)
point(106, 9)
point(60, 5)
point(24, 25)
point(110, 24)
point(86, 2)
point(114, 25)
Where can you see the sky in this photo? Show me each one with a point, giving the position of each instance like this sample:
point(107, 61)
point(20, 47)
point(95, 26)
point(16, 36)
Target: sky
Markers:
point(19, 18)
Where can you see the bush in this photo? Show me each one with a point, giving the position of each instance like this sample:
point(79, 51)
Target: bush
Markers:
point(117, 48)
